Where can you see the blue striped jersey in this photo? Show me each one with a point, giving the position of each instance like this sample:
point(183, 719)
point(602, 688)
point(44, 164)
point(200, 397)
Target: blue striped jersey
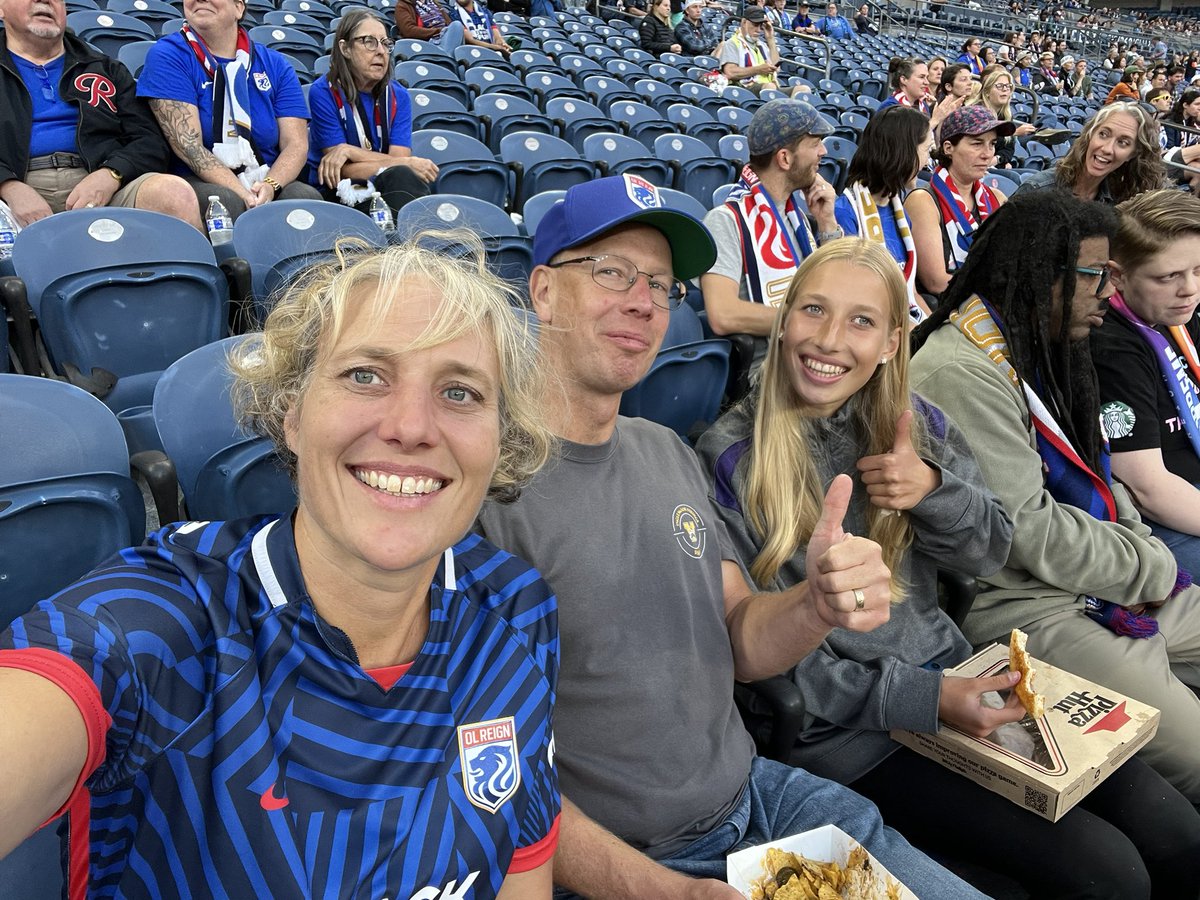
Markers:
point(250, 756)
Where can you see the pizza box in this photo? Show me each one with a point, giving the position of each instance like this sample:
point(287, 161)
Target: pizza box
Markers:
point(825, 844)
point(1051, 763)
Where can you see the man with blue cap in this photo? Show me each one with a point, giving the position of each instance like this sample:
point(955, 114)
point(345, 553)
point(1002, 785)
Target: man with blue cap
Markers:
point(656, 617)
point(761, 231)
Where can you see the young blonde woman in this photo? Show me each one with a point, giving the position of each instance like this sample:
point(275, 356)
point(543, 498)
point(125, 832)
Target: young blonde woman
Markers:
point(995, 93)
point(834, 402)
point(655, 30)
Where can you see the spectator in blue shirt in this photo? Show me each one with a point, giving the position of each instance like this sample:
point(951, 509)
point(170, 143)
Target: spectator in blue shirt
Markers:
point(360, 134)
point(803, 21)
point(231, 109)
point(834, 26)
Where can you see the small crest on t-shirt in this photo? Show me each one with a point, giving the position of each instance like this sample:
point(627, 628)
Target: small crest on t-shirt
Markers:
point(491, 770)
point(262, 82)
point(689, 529)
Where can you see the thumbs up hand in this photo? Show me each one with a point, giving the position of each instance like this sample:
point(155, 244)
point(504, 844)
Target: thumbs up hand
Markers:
point(848, 584)
point(899, 479)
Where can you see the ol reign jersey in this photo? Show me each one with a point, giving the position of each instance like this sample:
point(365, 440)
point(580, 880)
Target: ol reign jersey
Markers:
point(250, 756)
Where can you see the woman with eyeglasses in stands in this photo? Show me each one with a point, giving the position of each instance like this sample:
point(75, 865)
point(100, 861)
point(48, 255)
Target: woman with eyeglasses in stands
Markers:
point(995, 93)
point(231, 109)
point(360, 134)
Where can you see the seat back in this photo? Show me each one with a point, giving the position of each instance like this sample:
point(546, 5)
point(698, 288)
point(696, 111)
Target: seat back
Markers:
point(699, 172)
point(125, 290)
point(133, 56)
point(543, 163)
point(465, 165)
point(537, 206)
point(224, 472)
point(67, 502)
point(622, 154)
point(108, 31)
point(282, 238)
point(439, 108)
point(683, 388)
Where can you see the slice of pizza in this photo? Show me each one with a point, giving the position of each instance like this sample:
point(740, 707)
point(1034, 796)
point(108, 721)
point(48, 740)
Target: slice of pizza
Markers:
point(1019, 661)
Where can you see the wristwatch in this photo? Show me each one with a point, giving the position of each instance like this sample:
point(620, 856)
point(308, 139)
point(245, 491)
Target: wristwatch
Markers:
point(823, 236)
point(115, 174)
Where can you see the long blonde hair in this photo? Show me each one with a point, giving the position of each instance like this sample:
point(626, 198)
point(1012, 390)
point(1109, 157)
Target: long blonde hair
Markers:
point(784, 490)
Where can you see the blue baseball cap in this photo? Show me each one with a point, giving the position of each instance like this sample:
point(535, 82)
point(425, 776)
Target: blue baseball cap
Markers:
point(597, 207)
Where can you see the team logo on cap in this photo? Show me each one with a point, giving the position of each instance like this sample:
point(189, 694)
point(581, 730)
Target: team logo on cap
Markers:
point(642, 192)
point(689, 530)
point(490, 770)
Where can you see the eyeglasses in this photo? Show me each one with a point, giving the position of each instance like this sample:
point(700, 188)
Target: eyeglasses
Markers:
point(1102, 272)
point(47, 84)
point(371, 43)
point(618, 274)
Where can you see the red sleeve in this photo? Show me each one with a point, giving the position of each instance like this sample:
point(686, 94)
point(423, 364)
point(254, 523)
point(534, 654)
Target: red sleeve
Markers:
point(70, 677)
point(526, 859)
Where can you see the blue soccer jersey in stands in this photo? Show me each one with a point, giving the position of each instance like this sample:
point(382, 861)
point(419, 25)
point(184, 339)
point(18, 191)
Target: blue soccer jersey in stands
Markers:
point(248, 755)
point(172, 72)
point(385, 123)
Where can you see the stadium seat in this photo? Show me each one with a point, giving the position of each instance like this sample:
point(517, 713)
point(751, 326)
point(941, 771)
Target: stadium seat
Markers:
point(422, 74)
point(721, 194)
point(536, 208)
point(641, 121)
point(683, 327)
point(34, 871)
point(696, 122)
point(109, 31)
point(527, 61)
point(434, 108)
point(314, 28)
point(282, 238)
point(468, 57)
point(579, 66)
point(619, 154)
point(427, 51)
point(637, 55)
point(502, 113)
point(624, 70)
point(658, 94)
point(120, 294)
point(133, 56)
point(735, 117)
point(484, 79)
point(543, 163)
point(509, 253)
point(577, 119)
point(1002, 183)
point(836, 162)
point(67, 501)
point(605, 90)
point(223, 472)
point(683, 202)
point(291, 41)
point(465, 165)
point(683, 388)
point(310, 8)
point(705, 98)
point(734, 147)
point(547, 85)
point(153, 12)
point(698, 171)
point(667, 74)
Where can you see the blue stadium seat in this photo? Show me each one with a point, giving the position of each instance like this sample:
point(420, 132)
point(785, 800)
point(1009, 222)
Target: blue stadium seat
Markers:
point(431, 76)
point(683, 202)
point(67, 502)
point(483, 79)
point(133, 56)
point(618, 154)
point(314, 28)
point(625, 70)
point(527, 61)
point(33, 871)
point(734, 147)
point(223, 472)
point(683, 327)
point(125, 291)
point(705, 98)
point(696, 122)
point(509, 252)
point(577, 119)
point(466, 166)
point(683, 388)
point(409, 48)
point(721, 194)
point(502, 113)
point(735, 117)
point(606, 90)
point(658, 94)
point(1002, 183)
point(310, 8)
point(698, 171)
point(536, 208)
point(153, 12)
point(434, 108)
point(641, 121)
point(469, 56)
point(543, 163)
point(282, 238)
point(637, 55)
point(291, 41)
point(579, 66)
point(109, 31)
point(667, 74)
point(548, 85)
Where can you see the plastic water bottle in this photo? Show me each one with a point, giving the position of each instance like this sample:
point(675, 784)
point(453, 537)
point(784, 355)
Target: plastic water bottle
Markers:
point(8, 231)
point(381, 214)
point(218, 222)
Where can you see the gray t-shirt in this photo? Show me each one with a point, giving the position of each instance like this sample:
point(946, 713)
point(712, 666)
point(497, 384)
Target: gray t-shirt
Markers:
point(721, 223)
point(649, 742)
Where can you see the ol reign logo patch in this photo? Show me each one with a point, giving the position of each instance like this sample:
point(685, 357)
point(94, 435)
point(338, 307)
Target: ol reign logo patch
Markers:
point(641, 192)
point(1117, 419)
point(689, 530)
point(262, 82)
point(490, 769)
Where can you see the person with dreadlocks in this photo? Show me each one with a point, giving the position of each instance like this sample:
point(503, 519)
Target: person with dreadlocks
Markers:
point(835, 397)
point(1006, 357)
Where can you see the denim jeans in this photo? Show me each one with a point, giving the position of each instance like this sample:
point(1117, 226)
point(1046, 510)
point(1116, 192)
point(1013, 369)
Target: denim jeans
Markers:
point(451, 37)
point(1185, 547)
point(780, 801)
